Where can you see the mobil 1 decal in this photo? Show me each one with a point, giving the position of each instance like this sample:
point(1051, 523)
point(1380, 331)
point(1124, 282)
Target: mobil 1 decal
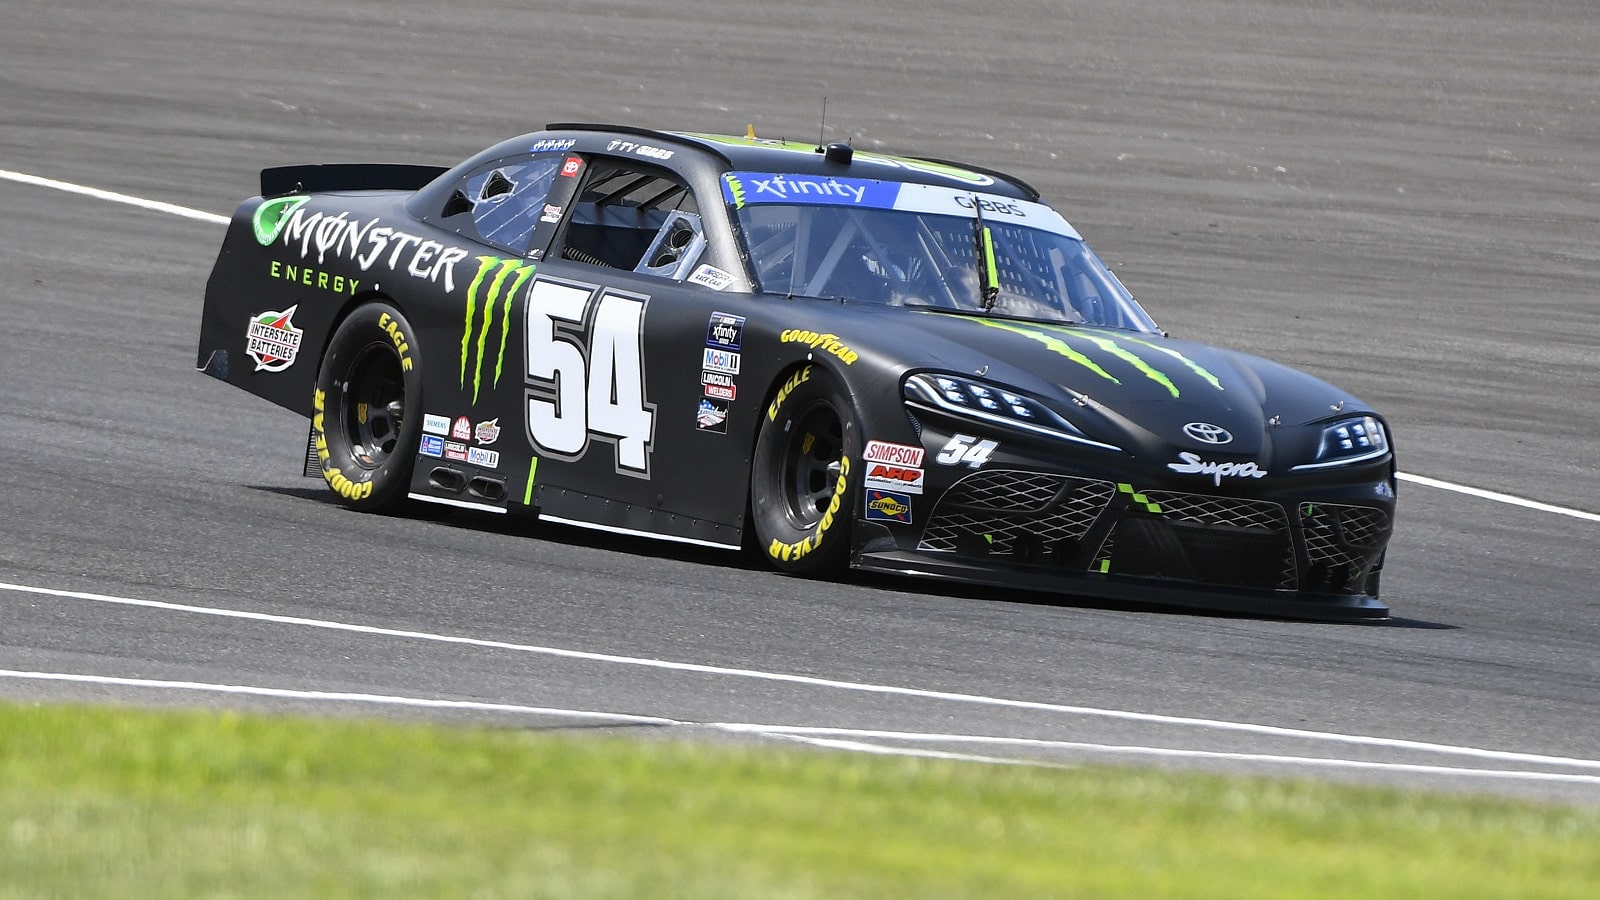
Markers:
point(585, 373)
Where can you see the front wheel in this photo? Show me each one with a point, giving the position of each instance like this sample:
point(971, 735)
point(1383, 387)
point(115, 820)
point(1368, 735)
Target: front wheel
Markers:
point(366, 420)
point(802, 484)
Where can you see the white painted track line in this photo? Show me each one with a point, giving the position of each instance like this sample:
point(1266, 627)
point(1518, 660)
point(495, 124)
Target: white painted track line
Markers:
point(827, 683)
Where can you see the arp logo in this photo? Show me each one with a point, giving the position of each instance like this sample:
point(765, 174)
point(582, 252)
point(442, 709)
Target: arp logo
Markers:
point(906, 479)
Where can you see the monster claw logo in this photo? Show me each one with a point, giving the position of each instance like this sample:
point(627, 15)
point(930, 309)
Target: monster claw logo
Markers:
point(508, 276)
point(272, 340)
point(272, 215)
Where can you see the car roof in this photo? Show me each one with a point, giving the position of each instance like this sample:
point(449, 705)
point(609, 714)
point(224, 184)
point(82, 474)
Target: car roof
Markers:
point(748, 153)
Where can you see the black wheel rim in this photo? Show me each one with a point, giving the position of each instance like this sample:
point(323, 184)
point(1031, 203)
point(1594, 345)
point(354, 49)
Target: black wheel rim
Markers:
point(374, 405)
point(812, 451)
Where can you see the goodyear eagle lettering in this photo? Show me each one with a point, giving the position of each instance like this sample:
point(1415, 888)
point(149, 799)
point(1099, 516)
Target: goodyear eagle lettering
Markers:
point(392, 329)
point(799, 549)
point(795, 380)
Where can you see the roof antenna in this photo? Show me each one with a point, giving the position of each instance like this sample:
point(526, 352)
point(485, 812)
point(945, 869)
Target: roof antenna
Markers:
point(823, 127)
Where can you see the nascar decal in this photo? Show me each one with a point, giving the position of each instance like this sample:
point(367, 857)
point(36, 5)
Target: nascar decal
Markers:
point(497, 282)
point(725, 331)
point(323, 234)
point(432, 424)
point(896, 454)
point(584, 373)
point(486, 433)
point(272, 340)
point(887, 506)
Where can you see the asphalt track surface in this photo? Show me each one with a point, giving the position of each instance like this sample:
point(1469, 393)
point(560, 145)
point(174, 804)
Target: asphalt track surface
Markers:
point(1401, 197)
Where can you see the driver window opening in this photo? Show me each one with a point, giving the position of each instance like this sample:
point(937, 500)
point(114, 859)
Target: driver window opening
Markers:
point(636, 218)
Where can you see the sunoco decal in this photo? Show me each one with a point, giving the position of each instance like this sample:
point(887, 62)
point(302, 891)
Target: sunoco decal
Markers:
point(273, 341)
point(887, 506)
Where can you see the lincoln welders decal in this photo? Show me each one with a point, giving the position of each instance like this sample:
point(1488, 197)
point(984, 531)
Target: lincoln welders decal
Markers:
point(508, 276)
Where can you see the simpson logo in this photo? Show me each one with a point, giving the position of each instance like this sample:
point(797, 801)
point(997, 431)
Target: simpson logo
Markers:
point(894, 478)
point(432, 445)
point(488, 459)
point(886, 506)
point(896, 454)
point(715, 360)
point(725, 331)
point(462, 430)
point(273, 341)
point(432, 424)
point(487, 432)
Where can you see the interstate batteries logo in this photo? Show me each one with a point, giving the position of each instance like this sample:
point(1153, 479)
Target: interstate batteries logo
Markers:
point(272, 340)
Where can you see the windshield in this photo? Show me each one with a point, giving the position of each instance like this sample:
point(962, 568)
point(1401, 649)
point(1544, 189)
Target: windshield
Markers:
point(915, 245)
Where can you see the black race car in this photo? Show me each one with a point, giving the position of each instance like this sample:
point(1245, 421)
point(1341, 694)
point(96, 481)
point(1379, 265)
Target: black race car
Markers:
point(836, 357)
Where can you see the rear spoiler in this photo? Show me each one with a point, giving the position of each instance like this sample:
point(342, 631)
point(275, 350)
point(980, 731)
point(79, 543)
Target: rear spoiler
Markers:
point(282, 180)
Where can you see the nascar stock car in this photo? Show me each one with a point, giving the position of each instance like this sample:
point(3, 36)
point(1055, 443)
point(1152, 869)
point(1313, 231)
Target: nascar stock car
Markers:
point(838, 358)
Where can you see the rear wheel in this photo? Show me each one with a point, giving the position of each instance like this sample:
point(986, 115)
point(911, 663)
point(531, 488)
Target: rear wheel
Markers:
point(803, 486)
point(366, 412)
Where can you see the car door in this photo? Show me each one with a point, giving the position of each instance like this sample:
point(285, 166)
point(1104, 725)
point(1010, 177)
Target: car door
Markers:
point(633, 356)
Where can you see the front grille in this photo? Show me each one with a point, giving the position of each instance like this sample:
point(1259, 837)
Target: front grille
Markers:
point(1100, 526)
point(1017, 513)
point(1341, 542)
point(1215, 540)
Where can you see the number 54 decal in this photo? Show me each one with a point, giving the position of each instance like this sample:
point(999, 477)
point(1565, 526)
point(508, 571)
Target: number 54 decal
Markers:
point(585, 373)
point(964, 448)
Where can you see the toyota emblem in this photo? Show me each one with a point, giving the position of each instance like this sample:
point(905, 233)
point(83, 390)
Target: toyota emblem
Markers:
point(1207, 433)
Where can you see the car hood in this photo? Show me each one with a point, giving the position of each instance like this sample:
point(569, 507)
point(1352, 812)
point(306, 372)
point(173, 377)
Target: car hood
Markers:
point(1133, 389)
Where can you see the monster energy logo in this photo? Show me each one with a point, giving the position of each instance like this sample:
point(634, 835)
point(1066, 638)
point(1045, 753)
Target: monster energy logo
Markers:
point(1111, 346)
point(272, 215)
point(503, 277)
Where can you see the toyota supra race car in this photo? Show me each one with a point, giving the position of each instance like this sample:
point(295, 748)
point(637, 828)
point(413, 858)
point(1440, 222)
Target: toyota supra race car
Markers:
point(837, 358)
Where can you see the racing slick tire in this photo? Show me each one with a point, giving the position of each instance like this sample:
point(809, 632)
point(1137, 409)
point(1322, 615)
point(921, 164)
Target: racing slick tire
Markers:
point(366, 418)
point(803, 485)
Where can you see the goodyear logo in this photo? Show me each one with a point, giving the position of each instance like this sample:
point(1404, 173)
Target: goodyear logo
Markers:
point(494, 286)
point(1110, 346)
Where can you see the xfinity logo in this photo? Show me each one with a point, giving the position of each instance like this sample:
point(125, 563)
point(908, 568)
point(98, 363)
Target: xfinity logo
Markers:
point(1207, 433)
point(1193, 465)
point(800, 185)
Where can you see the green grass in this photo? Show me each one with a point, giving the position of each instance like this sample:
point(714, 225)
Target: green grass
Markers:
point(118, 803)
